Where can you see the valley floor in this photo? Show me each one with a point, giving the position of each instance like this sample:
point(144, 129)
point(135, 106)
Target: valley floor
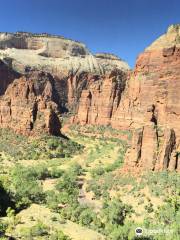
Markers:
point(81, 194)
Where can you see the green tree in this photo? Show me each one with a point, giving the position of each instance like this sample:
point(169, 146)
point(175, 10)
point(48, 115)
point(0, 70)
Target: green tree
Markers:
point(87, 217)
point(115, 212)
point(25, 187)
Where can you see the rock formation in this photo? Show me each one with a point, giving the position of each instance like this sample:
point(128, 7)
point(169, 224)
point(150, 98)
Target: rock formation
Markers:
point(149, 105)
point(101, 98)
point(28, 107)
point(62, 75)
point(7, 76)
point(66, 60)
point(151, 102)
point(66, 65)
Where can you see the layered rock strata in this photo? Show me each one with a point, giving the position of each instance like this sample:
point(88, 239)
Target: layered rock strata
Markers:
point(66, 60)
point(67, 66)
point(28, 106)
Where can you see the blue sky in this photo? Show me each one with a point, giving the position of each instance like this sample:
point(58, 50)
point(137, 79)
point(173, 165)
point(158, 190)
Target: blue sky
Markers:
point(124, 28)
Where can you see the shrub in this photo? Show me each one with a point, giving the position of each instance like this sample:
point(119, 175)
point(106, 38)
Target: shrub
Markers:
point(119, 233)
point(59, 235)
point(24, 187)
point(40, 229)
point(95, 188)
point(170, 212)
point(68, 186)
point(76, 169)
point(97, 171)
point(149, 208)
point(55, 172)
point(3, 227)
point(53, 199)
point(115, 212)
point(87, 217)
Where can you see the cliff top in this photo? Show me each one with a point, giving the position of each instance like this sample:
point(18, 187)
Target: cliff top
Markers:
point(44, 51)
point(169, 39)
point(107, 56)
point(40, 35)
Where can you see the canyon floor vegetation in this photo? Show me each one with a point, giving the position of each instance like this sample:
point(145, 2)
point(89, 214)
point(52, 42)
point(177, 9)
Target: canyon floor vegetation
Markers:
point(73, 188)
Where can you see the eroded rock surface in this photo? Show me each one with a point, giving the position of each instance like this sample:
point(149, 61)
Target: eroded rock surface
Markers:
point(28, 106)
point(66, 60)
point(99, 89)
point(149, 100)
point(152, 101)
point(101, 98)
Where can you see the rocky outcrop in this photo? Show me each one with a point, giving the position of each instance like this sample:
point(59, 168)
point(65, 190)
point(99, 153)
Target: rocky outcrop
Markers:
point(151, 100)
point(28, 106)
point(49, 45)
point(101, 98)
point(68, 67)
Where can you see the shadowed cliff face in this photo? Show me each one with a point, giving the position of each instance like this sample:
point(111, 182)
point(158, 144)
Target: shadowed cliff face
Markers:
point(7, 75)
point(100, 90)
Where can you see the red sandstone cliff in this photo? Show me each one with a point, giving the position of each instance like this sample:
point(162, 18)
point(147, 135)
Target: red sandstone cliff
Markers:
point(101, 90)
point(151, 102)
point(28, 107)
point(68, 67)
point(149, 105)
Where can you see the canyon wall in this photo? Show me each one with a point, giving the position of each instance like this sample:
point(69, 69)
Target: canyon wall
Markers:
point(151, 105)
point(66, 60)
point(148, 104)
point(98, 89)
point(68, 66)
point(28, 105)
point(101, 98)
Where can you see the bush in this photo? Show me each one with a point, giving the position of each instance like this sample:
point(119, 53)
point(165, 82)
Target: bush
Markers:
point(115, 212)
point(53, 199)
point(149, 208)
point(87, 217)
point(95, 187)
point(120, 233)
point(24, 187)
point(59, 235)
point(170, 212)
point(76, 169)
point(3, 227)
point(55, 172)
point(97, 171)
point(68, 187)
point(40, 229)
